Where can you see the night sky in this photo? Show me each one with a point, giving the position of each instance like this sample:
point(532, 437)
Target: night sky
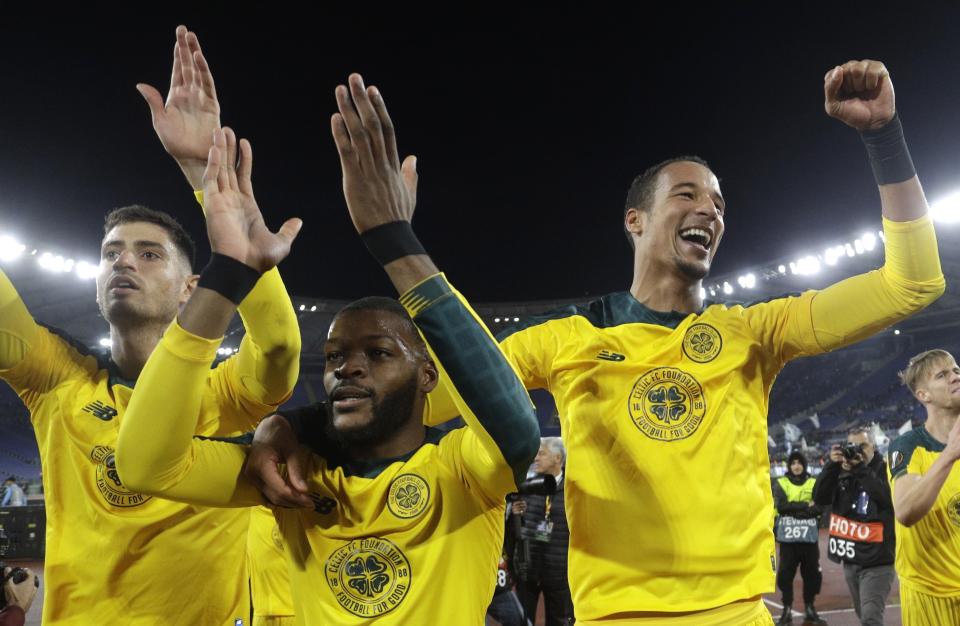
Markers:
point(528, 127)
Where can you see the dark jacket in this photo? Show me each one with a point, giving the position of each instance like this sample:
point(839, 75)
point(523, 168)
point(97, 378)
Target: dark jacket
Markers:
point(861, 495)
point(548, 560)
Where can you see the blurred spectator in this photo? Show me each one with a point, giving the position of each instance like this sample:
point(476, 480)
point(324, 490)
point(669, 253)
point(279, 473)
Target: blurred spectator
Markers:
point(13, 495)
point(547, 538)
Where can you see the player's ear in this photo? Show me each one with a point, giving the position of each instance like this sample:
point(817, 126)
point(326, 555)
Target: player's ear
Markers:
point(428, 376)
point(189, 284)
point(635, 220)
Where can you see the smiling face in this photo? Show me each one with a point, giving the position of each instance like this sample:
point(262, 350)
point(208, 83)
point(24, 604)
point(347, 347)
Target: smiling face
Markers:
point(681, 228)
point(376, 377)
point(143, 276)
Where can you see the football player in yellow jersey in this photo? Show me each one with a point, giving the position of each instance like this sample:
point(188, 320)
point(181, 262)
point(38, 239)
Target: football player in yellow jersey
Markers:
point(926, 494)
point(663, 397)
point(406, 525)
point(113, 555)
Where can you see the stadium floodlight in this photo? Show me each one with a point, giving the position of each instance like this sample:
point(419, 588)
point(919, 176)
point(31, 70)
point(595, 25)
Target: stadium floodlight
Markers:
point(712, 292)
point(882, 237)
point(782, 269)
point(747, 281)
point(896, 331)
point(808, 265)
point(496, 320)
point(52, 263)
point(727, 288)
point(849, 249)
point(516, 319)
point(858, 246)
point(85, 271)
point(946, 210)
point(793, 267)
point(303, 307)
point(10, 248)
point(869, 241)
point(105, 342)
point(313, 308)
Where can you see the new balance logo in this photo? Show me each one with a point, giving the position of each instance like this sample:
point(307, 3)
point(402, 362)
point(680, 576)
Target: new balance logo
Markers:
point(101, 411)
point(606, 355)
point(323, 505)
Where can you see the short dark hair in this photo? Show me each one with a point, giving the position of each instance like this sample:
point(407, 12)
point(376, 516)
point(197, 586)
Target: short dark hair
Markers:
point(641, 189)
point(140, 213)
point(386, 305)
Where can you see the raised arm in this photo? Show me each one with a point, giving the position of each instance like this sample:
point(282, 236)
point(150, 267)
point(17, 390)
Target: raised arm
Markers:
point(381, 197)
point(860, 94)
point(266, 367)
point(156, 451)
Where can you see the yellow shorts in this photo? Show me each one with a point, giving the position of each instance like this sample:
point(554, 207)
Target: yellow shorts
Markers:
point(922, 609)
point(274, 620)
point(747, 613)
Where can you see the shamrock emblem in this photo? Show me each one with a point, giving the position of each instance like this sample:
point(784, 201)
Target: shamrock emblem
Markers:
point(702, 343)
point(408, 496)
point(667, 403)
point(367, 575)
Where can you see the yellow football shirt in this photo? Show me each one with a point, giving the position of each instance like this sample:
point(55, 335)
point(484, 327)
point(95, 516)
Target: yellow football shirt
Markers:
point(664, 419)
point(928, 553)
point(269, 578)
point(412, 540)
point(115, 556)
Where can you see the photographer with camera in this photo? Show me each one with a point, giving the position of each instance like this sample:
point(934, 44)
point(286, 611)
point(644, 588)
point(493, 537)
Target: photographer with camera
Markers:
point(540, 560)
point(797, 534)
point(854, 484)
point(19, 589)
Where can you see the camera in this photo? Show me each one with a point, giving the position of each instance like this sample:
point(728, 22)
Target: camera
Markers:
point(538, 485)
point(851, 451)
point(17, 574)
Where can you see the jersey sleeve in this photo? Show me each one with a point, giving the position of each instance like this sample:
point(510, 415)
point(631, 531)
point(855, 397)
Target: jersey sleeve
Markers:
point(531, 352)
point(261, 376)
point(899, 455)
point(860, 306)
point(33, 360)
point(503, 435)
point(157, 453)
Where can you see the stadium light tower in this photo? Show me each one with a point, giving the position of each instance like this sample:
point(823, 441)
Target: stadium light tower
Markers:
point(947, 210)
point(10, 248)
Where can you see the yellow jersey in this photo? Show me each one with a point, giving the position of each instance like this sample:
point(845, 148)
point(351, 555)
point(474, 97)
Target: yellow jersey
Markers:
point(267, 563)
point(410, 540)
point(113, 555)
point(928, 553)
point(664, 419)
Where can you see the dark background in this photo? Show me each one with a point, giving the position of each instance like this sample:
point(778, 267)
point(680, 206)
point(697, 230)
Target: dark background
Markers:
point(529, 126)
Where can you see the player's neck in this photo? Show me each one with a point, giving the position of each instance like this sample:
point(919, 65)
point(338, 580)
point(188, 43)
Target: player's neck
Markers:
point(940, 421)
point(410, 437)
point(131, 347)
point(665, 290)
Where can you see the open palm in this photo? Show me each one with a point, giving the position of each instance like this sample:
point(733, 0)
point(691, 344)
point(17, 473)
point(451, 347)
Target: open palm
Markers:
point(235, 225)
point(191, 114)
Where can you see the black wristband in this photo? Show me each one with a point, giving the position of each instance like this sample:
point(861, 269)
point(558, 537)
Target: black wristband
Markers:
point(229, 277)
point(888, 153)
point(391, 241)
